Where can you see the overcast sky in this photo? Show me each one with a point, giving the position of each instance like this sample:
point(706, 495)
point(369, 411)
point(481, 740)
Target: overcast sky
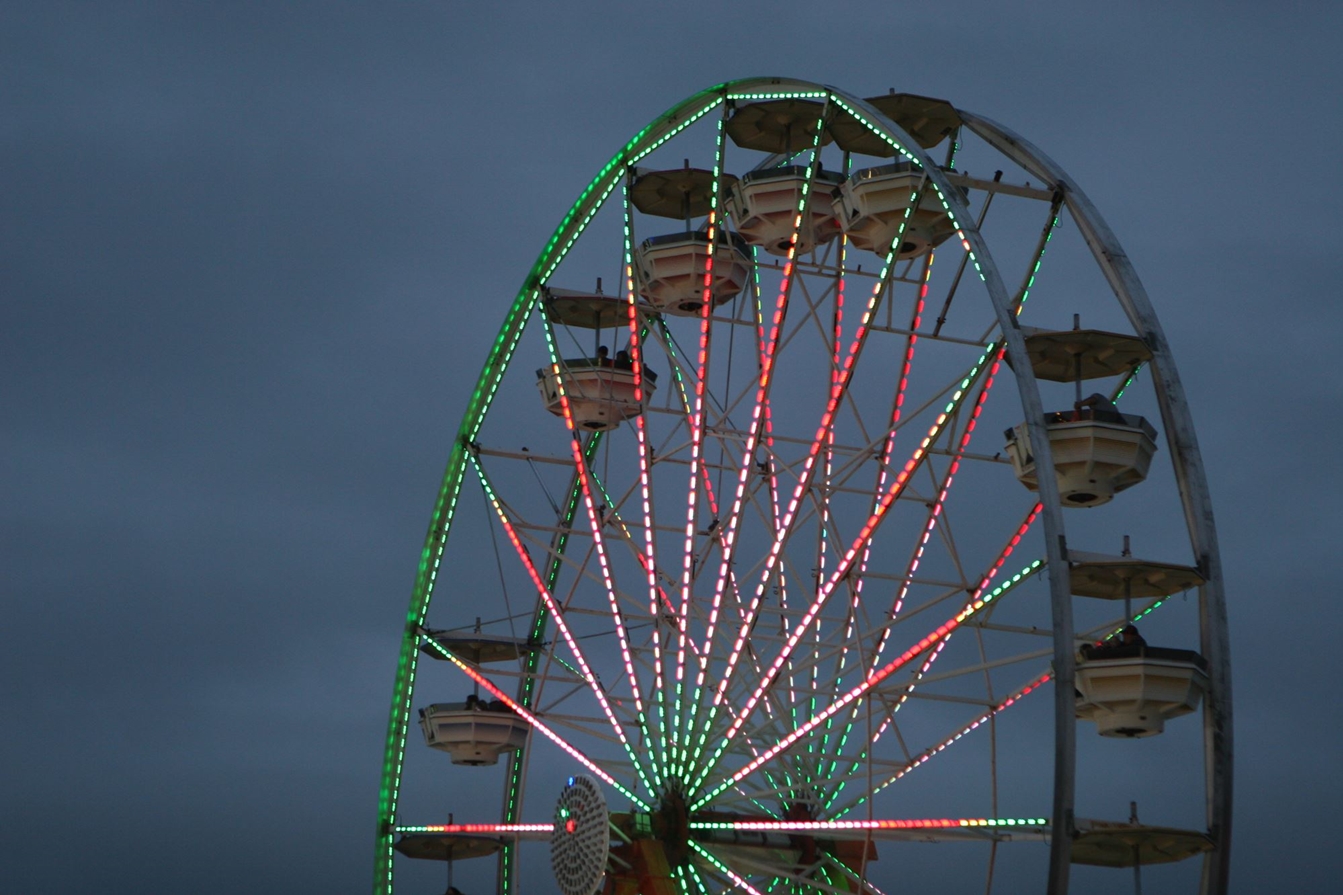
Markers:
point(252, 257)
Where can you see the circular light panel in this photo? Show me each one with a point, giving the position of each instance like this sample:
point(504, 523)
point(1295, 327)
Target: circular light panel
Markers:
point(581, 842)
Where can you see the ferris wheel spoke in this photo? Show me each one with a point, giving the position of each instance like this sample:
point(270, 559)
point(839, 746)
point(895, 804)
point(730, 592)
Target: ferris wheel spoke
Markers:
point(561, 624)
point(777, 713)
point(1018, 301)
point(1103, 632)
point(700, 565)
point(696, 426)
point(693, 875)
point(856, 582)
point(596, 524)
point(849, 643)
point(871, 681)
point(803, 877)
point(977, 597)
point(942, 490)
point(768, 352)
point(946, 828)
point(737, 880)
point(720, 883)
point(928, 661)
point(985, 580)
point(613, 517)
point(638, 329)
point(829, 533)
point(985, 664)
point(857, 877)
point(728, 538)
point(923, 757)
point(537, 724)
point(664, 688)
point(893, 491)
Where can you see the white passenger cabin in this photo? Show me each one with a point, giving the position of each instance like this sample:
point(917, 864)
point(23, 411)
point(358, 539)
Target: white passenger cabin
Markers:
point(1131, 691)
point(601, 395)
point(764, 207)
point(1097, 453)
point(472, 735)
point(672, 268)
point(871, 207)
point(1097, 450)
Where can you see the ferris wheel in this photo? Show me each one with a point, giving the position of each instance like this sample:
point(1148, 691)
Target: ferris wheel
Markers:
point(785, 542)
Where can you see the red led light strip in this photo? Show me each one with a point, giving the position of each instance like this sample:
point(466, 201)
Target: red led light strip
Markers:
point(934, 512)
point(649, 558)
point(897, 487)
point(553, 607)
point(943, 490)
point(697, 422)
point(838, 388)
point(827, 475)
point(703, 655)
point(984, 583)
point(940, 633)
point(478, 828)
point(887, 451)
point(599, 544)
point(537, 724)
point(759, 414)
point(923, 757)
point(1011, 700)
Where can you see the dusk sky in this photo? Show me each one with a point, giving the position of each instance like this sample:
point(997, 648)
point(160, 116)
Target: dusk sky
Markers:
point(252, 259)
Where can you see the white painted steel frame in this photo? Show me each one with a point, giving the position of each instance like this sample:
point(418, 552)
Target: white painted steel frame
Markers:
point(1189, 473)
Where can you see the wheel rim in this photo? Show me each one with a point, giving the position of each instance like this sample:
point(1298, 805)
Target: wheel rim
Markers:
point(679, 737)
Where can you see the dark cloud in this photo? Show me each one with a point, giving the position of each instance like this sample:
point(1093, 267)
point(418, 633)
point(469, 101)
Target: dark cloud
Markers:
point(252, 257)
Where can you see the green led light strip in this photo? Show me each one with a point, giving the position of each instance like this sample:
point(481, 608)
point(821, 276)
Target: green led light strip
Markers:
point(510, 333)
point(526, 687)
point(584, 473)
point(820, 826)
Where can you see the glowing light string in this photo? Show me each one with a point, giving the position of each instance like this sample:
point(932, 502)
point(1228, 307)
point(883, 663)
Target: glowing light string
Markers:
point(827, 479)
point(527, 687)
point(536, 722)
point(896, 488)
point(764, 381)
point(884, 463)
point(826, 826)
point(1009, 701)
point(1013, 542)
point(560, 624)
point(703, 655)
point(645, 484)
point(697, 419)
point(1018, 305)
point(603, 561)
point(478, 828)
point(853, 875)
point(783, 528)
point(872, 680)
point(737, 880)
